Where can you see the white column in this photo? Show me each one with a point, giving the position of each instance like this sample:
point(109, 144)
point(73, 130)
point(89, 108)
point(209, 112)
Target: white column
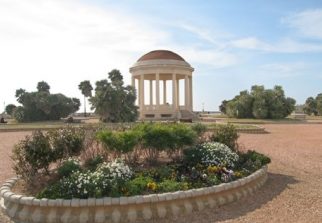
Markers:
point(186, 92)
point(191, 97)
point(141, 93)
point(133, 85)
point(178, 93)
point(174, 91)
point(151, 93)
point(133, 81)
point(157, 89)
point(164, 92)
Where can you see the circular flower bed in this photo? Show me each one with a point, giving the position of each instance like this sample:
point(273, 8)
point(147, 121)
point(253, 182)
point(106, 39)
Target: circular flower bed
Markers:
point(145, 161)
point(141, 208)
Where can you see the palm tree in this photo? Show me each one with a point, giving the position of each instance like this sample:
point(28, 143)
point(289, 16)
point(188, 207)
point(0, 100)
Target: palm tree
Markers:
point(86, 89)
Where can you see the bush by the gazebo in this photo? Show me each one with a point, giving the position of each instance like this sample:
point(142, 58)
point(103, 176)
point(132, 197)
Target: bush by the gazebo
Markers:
point(148, 140)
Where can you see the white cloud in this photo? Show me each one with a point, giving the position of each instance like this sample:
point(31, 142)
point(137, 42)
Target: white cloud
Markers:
point(214, 58)
point(286, 45)
point(65, 42)
point(215, 37)
point(251, 43)
point(215, 52)
point(285, 68)
point(307, 23)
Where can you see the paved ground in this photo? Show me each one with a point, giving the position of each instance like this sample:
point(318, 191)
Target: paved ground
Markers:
point(293, 192)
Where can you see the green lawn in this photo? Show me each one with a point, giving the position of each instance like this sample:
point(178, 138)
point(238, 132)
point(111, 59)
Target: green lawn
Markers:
point(36, 125)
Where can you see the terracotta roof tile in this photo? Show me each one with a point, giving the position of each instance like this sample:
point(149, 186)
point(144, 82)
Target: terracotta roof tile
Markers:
point(161, 55)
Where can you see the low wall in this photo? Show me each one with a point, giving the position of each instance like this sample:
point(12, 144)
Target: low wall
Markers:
point(125, 209)
point(256, 130)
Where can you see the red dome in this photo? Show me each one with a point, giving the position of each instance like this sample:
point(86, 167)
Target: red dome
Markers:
point(161, 55)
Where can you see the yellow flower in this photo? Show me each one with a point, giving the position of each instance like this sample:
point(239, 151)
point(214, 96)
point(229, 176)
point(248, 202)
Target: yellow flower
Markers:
point(212, 169)
point(152, 186)
point(238, 174)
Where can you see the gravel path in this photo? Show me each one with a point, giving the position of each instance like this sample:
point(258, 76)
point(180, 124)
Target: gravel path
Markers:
point(292, 193)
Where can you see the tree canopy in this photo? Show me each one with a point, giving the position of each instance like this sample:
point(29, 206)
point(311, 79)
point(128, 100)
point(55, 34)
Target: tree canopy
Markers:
point(10, 109)
point(113, 101)
point(86, 88)
point(313, 106)
point(42, 105)
point(260, 103)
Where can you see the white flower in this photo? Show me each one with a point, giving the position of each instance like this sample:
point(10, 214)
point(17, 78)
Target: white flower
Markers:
point(218, 154)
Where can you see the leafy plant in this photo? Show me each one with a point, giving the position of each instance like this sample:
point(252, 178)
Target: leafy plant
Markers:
point(92, 163)
point(259, 103)
point(193, 156)
point(137, 185)
point(119, 143)
point(113, 101)
point(170, 138)
point(252, 160)
point(86, 88)
point(200, 130)
point(183, 136)
point(42, 105)
point(10, 108)
point(67, 142)
point(226, 134)
point(31, 155)
point(169, 186)
point(68, 167)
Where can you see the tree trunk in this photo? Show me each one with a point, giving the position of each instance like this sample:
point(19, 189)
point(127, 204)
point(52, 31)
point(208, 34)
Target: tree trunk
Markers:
point(84, 106)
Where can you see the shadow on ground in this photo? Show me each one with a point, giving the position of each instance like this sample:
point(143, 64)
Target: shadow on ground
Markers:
point(275, 185)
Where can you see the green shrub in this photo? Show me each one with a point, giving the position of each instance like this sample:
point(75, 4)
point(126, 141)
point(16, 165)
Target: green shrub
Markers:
point(169, 186)
point(183, 136)
point(213, 180)
point(252, 160)
point(19, 114)
point(192, 156)
point(137, 186)
point(199, 128)
point(160, 173)
point(226, 134)
point(159, 137)
point(54, 191)
point(67, 142)
point(92, 163)
point(119, 142)
point(68, 167)
point(31, 155)
point(171, 138)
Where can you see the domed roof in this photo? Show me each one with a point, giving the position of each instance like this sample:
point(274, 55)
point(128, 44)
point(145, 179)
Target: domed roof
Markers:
point(161, 55)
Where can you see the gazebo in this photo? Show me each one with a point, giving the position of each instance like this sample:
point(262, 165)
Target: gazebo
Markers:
point(161, 69)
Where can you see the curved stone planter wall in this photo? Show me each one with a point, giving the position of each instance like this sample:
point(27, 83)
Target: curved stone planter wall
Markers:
point(257, 130)
point(125, 209)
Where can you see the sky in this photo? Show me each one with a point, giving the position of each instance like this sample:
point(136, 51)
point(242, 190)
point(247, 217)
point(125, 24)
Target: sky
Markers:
point(231, 44)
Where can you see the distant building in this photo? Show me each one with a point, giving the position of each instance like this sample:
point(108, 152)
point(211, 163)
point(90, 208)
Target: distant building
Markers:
point(163, 68)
